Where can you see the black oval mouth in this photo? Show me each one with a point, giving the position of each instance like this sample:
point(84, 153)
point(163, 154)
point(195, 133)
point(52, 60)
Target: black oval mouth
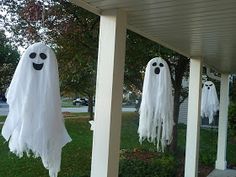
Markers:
point(208, 88)
point(157, 70)
point(37, 66)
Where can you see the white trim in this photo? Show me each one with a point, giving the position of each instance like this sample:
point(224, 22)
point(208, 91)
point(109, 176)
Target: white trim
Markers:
point(194, 120)
point(223, 122)
point(109, 92)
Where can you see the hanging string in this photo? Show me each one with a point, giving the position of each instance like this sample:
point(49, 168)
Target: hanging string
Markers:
point(43, 22)
point(159, 50)
point(43, 16)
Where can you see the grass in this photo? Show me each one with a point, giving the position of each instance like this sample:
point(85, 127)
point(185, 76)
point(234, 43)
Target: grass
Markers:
point(2, 118)
point(76, 156)
point(208, 145)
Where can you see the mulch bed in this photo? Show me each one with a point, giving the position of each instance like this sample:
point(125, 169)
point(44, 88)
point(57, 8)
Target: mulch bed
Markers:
point(203, 170)
point(232, 166)
point(137, 154)
point(68, 115)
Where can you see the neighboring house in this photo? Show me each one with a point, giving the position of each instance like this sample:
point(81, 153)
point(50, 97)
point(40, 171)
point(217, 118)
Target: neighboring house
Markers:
point(183, 112)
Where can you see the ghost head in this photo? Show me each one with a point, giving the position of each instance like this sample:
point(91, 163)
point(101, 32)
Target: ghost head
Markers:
point(156, 109)
point(210, 102)
point(35, 122)
point(37, 60)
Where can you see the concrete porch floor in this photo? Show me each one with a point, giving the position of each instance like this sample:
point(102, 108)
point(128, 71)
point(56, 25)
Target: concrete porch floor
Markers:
point(223, 173)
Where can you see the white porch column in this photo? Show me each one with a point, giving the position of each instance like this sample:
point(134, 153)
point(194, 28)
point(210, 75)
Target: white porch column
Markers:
point(109, 90)
point(193, 123)
point(223, 122)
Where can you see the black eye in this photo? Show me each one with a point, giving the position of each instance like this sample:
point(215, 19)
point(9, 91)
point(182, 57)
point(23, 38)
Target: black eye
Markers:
point(32, 55)
point(210, 85)
point(154, 64)
point(43, 56)
point(161, 64)
point(206, 85)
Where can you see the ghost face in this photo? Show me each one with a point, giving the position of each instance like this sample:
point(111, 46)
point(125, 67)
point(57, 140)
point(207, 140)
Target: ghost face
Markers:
point(157, 66)
point(208, 85)
point(40, 58)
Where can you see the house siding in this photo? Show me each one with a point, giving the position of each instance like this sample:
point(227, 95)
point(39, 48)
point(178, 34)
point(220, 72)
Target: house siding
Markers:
point(183, 112)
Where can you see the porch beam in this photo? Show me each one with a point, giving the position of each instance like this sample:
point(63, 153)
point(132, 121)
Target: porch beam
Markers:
point(109, 90)
point(221, 163)
point(193, 122)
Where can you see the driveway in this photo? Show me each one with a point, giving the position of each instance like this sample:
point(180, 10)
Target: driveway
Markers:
point(3, 109)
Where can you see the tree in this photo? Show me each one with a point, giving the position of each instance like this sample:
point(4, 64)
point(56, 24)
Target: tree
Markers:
point(76, 49)
point(8, 60)
point(232, 107)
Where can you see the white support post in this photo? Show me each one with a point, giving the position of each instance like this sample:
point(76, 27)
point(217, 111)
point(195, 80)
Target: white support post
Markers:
point(109, 90)
point(223, 122)
point(193, 123)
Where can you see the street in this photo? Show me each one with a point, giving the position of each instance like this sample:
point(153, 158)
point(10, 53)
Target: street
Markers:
point(4, 109)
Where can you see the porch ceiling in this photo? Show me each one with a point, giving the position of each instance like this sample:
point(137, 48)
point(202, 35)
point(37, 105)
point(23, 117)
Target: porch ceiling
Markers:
point(194, 28)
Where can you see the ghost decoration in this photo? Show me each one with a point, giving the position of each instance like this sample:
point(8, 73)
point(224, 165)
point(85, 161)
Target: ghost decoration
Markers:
point(35, 122)
point(210, 102)
point(156, 109)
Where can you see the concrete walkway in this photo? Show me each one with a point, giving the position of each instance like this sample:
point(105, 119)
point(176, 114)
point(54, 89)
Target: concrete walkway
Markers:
point(223, 173)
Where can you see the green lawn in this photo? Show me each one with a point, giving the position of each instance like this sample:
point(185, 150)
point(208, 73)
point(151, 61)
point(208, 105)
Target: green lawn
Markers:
point(76, 157)
point(2, 118)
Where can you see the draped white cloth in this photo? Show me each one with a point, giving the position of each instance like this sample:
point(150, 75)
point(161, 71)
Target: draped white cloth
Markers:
point(210, 102)
point(156, 109)
point(35, 122)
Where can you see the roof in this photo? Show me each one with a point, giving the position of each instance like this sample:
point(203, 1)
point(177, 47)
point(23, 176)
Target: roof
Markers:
point(195, 28)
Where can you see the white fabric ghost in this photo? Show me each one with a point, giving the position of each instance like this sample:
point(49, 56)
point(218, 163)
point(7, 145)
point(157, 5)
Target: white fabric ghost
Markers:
point(156, 109)
point(35, 122)
point(210, 102)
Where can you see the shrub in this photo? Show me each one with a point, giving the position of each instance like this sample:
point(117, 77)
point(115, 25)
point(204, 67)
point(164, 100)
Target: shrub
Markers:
point(208, 156)
point(148, 164)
